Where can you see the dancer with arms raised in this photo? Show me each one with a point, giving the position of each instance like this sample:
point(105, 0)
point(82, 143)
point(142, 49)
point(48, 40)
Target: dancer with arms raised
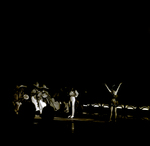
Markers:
point(114, 102)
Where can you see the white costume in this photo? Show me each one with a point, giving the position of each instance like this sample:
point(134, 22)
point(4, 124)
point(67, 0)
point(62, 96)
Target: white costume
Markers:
point(73, 95)
point(33, 99)
point(41, 104)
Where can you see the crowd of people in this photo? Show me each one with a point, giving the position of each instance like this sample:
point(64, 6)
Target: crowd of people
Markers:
point(63, 100)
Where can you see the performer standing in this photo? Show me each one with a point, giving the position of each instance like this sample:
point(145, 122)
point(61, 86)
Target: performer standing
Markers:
point(34, 97)
point(18, 97)
point(114, 101)
point(73, 95)
point(47, 97)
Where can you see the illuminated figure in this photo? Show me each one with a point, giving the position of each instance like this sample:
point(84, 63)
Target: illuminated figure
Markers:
point(19, 97)
point(41, 98)
point(114, 102)
point(73, 95)
point(47, 97)
point(36, 98)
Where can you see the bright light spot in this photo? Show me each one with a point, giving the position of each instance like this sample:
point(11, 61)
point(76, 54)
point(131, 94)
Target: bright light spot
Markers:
point(146, 109)
point(105, 106)
point(96, 106)
point(84, 105)
point(119, 107)
point(130, 108)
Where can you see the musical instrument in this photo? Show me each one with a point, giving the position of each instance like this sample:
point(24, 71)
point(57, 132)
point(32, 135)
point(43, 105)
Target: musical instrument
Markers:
point(44, 95)
point(26, 97)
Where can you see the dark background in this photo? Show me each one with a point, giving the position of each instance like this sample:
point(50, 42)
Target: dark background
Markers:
point(84, 50)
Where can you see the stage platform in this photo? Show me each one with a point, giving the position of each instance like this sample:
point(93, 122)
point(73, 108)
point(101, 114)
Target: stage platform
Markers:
point(96, 127)
point(87, 128)
point(65, 119)
point(93, 119)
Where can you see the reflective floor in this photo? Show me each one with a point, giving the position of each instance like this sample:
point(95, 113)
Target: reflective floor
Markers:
point(93, 130)
point(90, 126)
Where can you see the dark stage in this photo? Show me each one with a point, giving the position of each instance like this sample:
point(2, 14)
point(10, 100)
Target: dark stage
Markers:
point(83, 129)
point(90, 125)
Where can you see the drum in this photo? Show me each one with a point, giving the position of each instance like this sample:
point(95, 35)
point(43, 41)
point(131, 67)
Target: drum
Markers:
point(44, 95)
point(26, 97)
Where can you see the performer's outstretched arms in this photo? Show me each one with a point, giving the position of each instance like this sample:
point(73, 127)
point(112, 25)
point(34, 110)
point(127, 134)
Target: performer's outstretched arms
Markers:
point(118, 88)
point(107, 87)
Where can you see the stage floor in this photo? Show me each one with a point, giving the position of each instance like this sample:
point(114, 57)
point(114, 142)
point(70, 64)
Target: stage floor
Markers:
point(90, 126)
point(73, 119)
point(89, 119)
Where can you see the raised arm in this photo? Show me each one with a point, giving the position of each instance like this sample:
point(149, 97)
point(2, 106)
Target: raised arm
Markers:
point(118, 88)
point(107, 88)
point(77, 93)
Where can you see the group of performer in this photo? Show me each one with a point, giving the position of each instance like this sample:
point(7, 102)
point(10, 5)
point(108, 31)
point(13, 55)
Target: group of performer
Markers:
point(40, 97)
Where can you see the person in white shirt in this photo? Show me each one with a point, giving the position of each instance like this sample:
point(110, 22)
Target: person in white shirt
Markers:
point(114, 101)
point(73, 95)
point(34, 97)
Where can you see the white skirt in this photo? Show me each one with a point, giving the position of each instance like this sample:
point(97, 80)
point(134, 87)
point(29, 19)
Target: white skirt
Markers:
point(42, 104)
point(34, 101)
point(72, 98)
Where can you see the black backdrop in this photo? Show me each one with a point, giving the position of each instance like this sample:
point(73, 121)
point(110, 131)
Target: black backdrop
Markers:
point(84, 56)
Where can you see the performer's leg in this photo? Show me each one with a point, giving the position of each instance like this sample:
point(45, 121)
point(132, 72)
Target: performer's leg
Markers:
point(40, 107)
point(111, 112)
point(115, 113)
point(73, 108)
point(69, 104)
